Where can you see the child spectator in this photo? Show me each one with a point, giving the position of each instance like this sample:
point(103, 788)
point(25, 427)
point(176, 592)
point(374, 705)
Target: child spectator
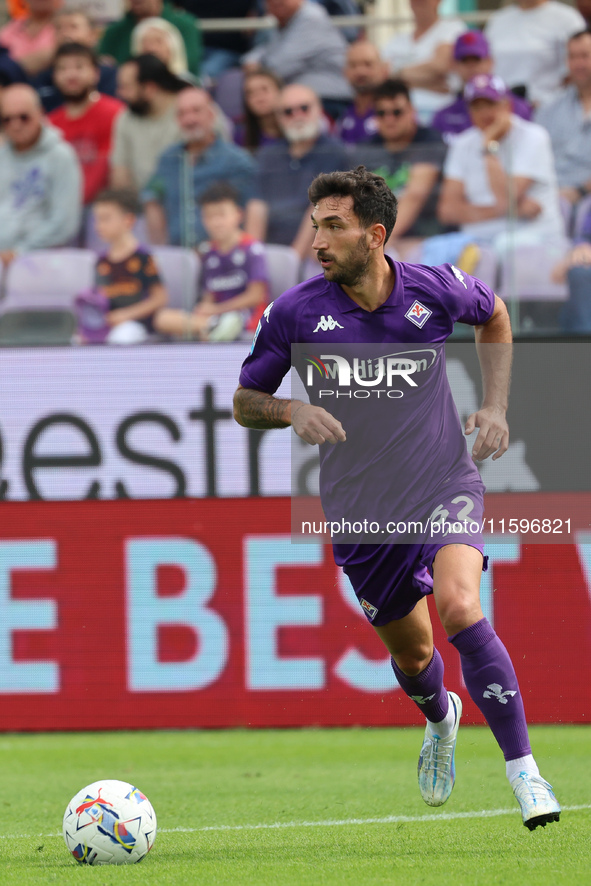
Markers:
point(126, 275)
point(234, 279)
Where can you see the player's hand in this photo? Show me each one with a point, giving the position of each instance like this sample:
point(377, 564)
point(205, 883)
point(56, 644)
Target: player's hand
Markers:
point(315, 425)
point(493, 432)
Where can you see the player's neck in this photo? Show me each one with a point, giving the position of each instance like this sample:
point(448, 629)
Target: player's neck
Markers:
point(375, 288)
point(123, 247)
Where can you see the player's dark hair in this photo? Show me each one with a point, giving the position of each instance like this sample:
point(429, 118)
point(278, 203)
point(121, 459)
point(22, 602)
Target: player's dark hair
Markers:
point(125, 198)
point(579, 34)
point(78, 50)
point(151, 69)
point(218, 193)
point(373, 201)
point(252, 128)
point(391, 88)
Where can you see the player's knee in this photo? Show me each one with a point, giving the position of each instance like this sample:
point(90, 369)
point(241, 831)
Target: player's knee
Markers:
point(458, 609)
point(412, 663)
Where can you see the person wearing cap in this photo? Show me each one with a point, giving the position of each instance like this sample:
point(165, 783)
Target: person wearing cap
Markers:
point(568, 120)
point(528, 42)
point(472, 57)
point(499, 184)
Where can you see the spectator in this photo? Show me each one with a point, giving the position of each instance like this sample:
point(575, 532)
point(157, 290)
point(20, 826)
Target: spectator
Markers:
point(158, 37)
point(40, 179)
point(306, 48)
point(187, 169)
point(31, 40)
point(149, 124)
point(116, 41)
point(86, 118)
point(576, 269)
point(471, 58)
point(126, 275)
point(73, 26)
point(221, 49)
point(364, 70)
point(423, 58)
point(10, 71)
point(568, 120)
point(409, 157)
point(500, 184)
point(281, 212)
point(528, 42)
point(260, 90)
point(235, 278)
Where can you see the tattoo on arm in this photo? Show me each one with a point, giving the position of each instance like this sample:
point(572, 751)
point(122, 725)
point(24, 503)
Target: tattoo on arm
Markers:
point(255, 409)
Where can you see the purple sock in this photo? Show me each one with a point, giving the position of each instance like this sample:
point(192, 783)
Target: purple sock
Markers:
point(492, 683)
point(426, 689)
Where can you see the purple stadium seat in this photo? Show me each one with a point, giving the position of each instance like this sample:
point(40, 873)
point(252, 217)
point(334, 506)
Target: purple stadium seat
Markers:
point(283, 264)
point(179, 269)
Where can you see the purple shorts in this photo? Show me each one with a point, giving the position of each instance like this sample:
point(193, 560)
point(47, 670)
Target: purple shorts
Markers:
point(390, 579)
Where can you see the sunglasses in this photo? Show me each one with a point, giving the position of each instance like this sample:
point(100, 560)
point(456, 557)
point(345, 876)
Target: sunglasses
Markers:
point(390, 112)
point(289, 112)
point(22, 118)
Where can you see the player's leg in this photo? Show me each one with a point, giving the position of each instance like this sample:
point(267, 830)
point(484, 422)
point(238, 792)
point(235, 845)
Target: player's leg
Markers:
point(489, 675)
point(419, 669)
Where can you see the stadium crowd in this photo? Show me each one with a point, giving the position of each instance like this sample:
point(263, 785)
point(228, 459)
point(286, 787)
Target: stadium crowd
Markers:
point(146, 134)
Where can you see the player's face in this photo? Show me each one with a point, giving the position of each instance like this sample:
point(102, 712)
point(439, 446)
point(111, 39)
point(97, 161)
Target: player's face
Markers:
point(75, 76)
point(341, 243)
point(221, 220)
point(111, 222)
point(261, 95)
point(364, 69)
point(579, 60)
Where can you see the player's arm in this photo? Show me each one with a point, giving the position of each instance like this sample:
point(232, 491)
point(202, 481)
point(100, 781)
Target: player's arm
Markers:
point(261, 411)
point(494, 347)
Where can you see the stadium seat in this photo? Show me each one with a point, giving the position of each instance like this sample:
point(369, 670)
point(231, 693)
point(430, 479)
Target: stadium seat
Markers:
point(180, 269)
point(40, 290)
point(228, 93)
point(283, 264)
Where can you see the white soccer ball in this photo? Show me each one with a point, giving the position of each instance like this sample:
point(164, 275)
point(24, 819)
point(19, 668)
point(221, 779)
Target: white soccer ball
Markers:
point(109, 822)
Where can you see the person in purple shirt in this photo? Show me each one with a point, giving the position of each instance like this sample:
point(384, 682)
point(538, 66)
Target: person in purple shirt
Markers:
point(234, 280)
point(471, 57)
point(365, 70)
point(363, 300)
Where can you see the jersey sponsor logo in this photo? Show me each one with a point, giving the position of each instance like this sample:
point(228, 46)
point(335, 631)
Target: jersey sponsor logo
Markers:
point(370, 611)
point(495, 690)
point(459, 276)
point(328, 324)
point(233, 280)
point(418, 314)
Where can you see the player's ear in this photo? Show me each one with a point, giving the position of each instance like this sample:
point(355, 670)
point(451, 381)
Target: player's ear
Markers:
point(376, 236)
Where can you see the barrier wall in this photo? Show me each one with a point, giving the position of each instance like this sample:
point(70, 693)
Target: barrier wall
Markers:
point(201, 613)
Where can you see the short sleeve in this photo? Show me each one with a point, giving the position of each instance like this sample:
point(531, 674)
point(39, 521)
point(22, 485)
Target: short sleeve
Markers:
point(150, 271)
point(468, 300)
point(270, 354)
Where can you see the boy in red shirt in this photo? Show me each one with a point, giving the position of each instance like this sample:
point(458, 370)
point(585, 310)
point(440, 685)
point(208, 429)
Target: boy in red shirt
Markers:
point(86, 118)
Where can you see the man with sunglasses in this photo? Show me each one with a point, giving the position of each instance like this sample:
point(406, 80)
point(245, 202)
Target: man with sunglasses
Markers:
point(286, 167)
point(410, 158)
point(40, 179)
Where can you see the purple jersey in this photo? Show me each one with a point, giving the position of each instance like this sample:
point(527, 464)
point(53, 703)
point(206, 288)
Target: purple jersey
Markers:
point(227, 274)
point(455, 118)
point(354, 128)
point(405, 448)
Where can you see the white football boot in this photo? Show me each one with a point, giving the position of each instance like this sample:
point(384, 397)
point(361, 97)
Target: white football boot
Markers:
point(437, 770)
point(536, 799)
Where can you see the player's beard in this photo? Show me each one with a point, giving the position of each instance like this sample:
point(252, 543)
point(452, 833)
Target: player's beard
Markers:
point(353, 268)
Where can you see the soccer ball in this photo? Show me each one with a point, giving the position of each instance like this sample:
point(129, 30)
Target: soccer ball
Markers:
point(109, 822)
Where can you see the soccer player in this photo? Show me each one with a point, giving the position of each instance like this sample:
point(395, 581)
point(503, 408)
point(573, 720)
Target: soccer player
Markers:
point(364, 297)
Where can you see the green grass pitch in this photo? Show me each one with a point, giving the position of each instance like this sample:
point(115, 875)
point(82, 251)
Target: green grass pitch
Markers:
point(325, 793)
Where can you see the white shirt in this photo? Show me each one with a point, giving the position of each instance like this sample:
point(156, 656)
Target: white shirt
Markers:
point(529, 46)
point(525, 151)
point(403, 50)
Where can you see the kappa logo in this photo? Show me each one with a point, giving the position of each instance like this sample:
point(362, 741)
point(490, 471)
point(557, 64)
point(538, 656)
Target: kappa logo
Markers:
point(267, 311)
point(418, 314)
point(370, 611)
point(458, 274)
point(328, 324)
point(494, 690)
